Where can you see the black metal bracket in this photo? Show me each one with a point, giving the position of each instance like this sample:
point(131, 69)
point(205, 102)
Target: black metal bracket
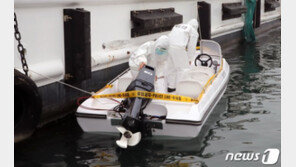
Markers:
point(232, 10)
point(204, 13)
point(270, 5)
point(257, 15)
point(77, 45)
point(148, 123)
point(155, 20)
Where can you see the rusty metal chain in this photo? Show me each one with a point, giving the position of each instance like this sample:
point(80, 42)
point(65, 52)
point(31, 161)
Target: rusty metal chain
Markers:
point(20, 46)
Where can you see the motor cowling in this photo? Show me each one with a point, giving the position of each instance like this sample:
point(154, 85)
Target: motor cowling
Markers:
point(143, 82)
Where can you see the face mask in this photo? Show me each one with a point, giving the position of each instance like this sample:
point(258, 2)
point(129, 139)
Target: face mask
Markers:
point(160, 51)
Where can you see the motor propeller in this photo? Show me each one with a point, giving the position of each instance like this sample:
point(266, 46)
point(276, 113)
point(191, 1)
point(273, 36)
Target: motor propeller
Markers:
point(128, 138)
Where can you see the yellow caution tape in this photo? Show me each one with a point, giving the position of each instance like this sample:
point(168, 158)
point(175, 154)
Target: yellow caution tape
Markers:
point(210, 81)
point(148, 95)
point(105, 87)
point(109, 86)
point(158, 96)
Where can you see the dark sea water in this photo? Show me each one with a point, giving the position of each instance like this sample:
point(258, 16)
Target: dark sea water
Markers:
point(246, 120)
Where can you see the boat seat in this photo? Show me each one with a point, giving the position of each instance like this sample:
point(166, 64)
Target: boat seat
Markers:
point(123, 83)
point(209, 71)
point(191, 81)
point(200, 77)
point(198, 74)
point(189, 88)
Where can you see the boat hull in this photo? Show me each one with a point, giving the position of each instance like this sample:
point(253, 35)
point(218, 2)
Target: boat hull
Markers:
point(190, 128)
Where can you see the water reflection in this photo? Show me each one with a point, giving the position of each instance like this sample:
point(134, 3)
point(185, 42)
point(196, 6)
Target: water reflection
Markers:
point(151, 151)
point(175, 161)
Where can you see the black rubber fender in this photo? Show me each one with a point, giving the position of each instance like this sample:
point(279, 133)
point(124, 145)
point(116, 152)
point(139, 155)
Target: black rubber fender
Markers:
point(27, 106)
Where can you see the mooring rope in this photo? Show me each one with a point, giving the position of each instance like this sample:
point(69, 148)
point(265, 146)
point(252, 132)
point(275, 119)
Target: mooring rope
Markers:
point(63, 83)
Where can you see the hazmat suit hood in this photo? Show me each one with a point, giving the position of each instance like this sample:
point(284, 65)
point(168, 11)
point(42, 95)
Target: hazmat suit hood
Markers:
point(193, 23)
point(161, 45)
point(162, 42)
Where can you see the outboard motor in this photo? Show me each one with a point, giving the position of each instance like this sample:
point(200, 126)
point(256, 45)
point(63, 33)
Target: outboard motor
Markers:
point(134, 120)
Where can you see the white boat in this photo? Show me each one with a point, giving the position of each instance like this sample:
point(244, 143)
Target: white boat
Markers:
point(166, 118)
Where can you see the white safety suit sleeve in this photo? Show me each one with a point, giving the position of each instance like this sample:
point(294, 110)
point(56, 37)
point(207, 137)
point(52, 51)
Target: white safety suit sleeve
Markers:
point(152, 60)
point(191, 47)
point(140, 55)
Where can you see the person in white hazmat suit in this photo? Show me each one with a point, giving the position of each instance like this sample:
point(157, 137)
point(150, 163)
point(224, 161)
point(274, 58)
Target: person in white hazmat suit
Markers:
point(182, 50)
point(151, 53)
